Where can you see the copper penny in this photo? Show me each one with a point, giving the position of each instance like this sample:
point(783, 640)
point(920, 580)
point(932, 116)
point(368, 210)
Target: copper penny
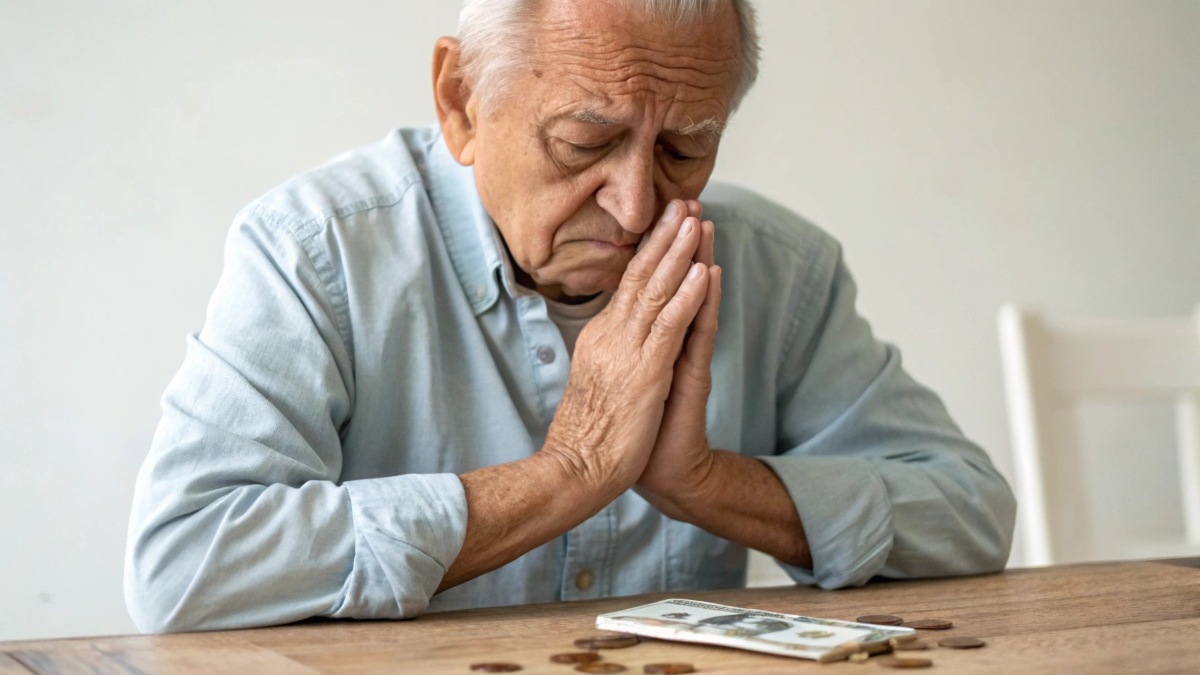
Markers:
point(962, 643)
point(903, 662)
point(617, 641)
point(575, 657)
point(930, 624)
point(495, 667)
point(910, 646)
point(600, 667)
point(880, 619)
point(669, 668)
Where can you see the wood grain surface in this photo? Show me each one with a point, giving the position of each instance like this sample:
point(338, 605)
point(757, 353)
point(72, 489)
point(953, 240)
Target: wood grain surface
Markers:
point(1139, 617)
point(10, 666)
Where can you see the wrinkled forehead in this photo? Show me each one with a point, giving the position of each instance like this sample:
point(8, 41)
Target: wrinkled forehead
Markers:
point(611, 50)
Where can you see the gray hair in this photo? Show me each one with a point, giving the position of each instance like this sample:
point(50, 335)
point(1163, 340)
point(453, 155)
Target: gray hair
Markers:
point(489, 32)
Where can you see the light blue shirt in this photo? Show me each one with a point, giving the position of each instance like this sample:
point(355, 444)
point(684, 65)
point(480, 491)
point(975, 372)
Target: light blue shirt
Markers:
point(367, 342)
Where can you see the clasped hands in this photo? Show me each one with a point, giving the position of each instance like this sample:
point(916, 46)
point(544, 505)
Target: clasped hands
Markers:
point(633, 414)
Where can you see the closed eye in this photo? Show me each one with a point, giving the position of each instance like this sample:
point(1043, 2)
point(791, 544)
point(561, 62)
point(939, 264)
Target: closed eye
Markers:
point(574, 156)
point(674, 154)
point(588, 148)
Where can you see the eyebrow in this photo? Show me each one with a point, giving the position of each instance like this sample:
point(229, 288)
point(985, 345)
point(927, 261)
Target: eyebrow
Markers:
point(711, 127)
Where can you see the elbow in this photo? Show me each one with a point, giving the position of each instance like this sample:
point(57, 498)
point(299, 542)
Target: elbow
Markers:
point(161, 590)
point(1004, 519)
point(991, 528)
point(982, 519)
point(972, 536)
point(155, 605)
point(151, 616)
point(150, 621)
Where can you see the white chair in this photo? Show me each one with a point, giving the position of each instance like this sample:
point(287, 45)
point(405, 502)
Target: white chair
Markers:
point(1052, 365)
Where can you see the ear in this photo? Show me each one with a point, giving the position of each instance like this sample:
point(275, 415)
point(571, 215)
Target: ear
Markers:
point(456, 105)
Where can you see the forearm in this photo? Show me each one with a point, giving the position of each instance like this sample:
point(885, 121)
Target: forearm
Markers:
point(515, 507)
point(741, 499)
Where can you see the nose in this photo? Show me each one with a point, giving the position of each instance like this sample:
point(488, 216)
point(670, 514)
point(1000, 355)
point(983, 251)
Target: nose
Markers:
point(628, 192)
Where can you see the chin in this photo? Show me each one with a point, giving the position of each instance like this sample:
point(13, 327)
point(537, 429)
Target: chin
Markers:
point(582, 284)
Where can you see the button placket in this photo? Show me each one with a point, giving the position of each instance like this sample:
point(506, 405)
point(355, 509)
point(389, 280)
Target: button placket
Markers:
point(543, 344)
point(585, 562)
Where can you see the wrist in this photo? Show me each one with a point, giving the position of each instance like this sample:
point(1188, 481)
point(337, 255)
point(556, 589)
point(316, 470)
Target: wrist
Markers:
point(684, 495)
point(578, 473)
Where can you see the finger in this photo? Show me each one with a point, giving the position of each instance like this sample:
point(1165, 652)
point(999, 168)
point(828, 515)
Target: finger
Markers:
point(695, 210)
point(702, 339)
point(665, 339)
point(667, 278)
point(675, 212)
point(707, 238)
point(650, 252)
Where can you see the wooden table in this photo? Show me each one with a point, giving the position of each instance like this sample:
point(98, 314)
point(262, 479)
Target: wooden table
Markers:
point(1139, 617)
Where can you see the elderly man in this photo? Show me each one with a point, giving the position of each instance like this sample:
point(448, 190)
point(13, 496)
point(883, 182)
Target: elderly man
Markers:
point(480, 363)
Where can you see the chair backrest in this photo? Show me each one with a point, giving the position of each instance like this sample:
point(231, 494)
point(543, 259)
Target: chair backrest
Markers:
point(1052, 365)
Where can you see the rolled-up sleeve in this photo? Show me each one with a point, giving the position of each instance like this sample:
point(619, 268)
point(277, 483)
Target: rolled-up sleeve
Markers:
point(883, 480)
point(240, 517)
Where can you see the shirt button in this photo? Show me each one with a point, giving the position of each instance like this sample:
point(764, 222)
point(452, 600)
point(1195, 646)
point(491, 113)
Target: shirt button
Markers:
point(583, 580)
point(545, 354)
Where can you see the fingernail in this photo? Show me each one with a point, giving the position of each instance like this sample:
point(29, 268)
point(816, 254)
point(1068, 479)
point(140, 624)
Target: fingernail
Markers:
point(687, 227)
point(672, 211)
point(694, 274)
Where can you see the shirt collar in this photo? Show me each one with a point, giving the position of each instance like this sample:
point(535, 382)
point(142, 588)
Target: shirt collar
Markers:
point(468, 231)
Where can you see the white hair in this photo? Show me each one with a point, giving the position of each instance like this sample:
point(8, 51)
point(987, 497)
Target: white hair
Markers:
point(494, 34)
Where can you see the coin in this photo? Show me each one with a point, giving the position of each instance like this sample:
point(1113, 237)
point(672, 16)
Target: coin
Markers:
point(904, 662)
point(840, 652)
point(910, 646)
point(616, 641)
point(575, 657)
point(600, 667)
point(897, 639)
point(495, 667)
point(930, 624)
point(880, 619)
point(860, 657)
point(669, 668)
point(873, 648)
point(962, 643)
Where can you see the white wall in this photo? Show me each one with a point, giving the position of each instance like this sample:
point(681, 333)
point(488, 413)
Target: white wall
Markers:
point(966, 153)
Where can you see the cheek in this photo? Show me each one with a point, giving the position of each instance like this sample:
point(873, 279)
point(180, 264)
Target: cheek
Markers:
point(690, 181)
point(549, 213)
point(532, 202)
point(536, 241)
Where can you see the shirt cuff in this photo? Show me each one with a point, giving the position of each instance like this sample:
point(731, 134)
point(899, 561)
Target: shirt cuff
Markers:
point(408, 530)
point(847, 516)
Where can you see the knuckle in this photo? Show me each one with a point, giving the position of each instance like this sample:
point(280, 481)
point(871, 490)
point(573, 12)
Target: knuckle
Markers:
point(667, 327)
point(637, 269)
point(653, 296)
point(662, 332)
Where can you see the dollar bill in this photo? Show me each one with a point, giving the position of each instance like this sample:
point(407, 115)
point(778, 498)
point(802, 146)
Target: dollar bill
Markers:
point(751, 629)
